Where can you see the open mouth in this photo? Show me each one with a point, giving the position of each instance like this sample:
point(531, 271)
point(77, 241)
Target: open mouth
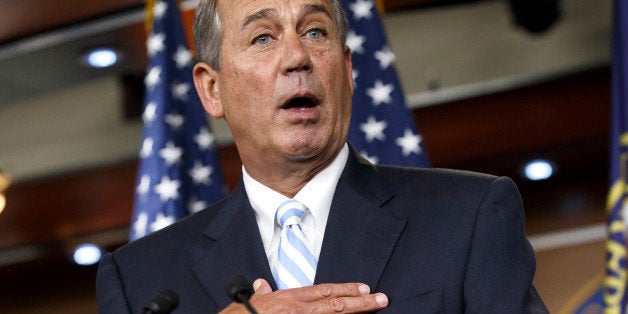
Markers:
point(301, 103)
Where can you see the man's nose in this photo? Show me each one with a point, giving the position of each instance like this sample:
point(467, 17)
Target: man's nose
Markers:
point(296, 57)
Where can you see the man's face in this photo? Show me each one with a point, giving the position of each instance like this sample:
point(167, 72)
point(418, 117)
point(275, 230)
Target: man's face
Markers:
point(285, 85)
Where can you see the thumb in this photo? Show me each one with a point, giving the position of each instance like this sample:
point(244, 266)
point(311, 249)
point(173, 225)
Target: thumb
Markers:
point(261, 286)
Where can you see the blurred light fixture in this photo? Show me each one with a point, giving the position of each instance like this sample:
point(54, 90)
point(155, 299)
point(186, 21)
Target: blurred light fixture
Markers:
point(5, 181)
point(3, 202)
point(87, 254)
point(538, 169)
point(101, 57)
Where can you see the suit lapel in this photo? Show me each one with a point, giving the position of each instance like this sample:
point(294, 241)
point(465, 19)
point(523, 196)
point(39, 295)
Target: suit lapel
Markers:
point(232, 246)
point(359, 238)
point(361, 230)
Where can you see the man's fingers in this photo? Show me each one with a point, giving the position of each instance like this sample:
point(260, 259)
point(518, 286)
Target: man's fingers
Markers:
point(261, 286)
point(331, 290)
point(342, 298)
point(356, 304)
point(323, 298)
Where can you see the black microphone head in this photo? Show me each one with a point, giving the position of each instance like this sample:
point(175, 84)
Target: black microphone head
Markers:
point(164, 301)
point(239, 289)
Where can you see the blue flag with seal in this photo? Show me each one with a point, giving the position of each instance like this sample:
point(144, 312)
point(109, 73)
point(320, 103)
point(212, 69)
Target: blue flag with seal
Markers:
point(179, 172)
point(382, 127)
point(610, 298)
point(616, 263)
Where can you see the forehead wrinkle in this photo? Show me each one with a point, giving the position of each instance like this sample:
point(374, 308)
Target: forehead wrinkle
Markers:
point(259, 15)
point(308, 9)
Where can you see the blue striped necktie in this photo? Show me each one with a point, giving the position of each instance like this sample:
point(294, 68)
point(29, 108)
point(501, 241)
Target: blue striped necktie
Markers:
point(296, 264)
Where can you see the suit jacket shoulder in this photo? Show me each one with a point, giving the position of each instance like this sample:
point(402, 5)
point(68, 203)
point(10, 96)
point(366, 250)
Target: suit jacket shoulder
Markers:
point(196, 257)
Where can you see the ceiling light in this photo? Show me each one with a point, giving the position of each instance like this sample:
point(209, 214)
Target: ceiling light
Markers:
point(538, 169)
point(101, 57)
point(87, 254)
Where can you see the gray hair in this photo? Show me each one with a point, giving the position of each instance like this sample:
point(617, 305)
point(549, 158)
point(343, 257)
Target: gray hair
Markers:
point(207, 30)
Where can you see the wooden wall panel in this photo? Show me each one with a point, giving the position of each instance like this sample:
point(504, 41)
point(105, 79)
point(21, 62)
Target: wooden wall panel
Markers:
point(565, 111)
point(22, 18)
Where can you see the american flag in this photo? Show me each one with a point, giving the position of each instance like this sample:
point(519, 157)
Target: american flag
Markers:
point(179, 172)
point(382, 128)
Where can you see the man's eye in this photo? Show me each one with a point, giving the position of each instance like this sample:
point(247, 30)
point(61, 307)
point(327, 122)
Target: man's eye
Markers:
point(315, 33)
point(262, 40)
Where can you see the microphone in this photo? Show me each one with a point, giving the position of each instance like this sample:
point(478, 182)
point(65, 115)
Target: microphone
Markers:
point(240, 290)
point(163, 302)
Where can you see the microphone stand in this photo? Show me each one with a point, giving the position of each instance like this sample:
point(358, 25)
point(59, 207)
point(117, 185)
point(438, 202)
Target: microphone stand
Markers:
point(240, 290)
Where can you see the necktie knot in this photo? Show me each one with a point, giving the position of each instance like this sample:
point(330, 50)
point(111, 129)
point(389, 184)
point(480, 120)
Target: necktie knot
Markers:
point(289, 213)
point(296, 264)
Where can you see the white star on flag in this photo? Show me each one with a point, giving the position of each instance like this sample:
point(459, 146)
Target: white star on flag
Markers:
point(204, 139)
point(195, 205)
point(385, 57)
point(152, 78)
point(161, 222)
point(380, 93)
point(150, 112)
point(362, 9)
point(171, 154)
point(147, 147)
point(374, 129)
point(355, 42)
point(155, 43)
point(409, 142)
point(200, 173)
point(182, 57)
point(167, 189)
point(144, 185)
point(180, 91)
point(159, 9)
point(373, 159)
point(140, 225)
point(174, 120)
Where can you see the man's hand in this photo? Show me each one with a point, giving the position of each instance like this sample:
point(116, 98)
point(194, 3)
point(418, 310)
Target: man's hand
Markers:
point(323, 298)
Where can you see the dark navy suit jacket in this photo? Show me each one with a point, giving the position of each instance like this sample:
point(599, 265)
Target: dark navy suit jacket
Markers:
point(434, 241)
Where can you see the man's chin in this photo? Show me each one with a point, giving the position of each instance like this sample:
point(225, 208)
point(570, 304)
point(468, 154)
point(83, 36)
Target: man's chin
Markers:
point(319, 152)
point(303, 150)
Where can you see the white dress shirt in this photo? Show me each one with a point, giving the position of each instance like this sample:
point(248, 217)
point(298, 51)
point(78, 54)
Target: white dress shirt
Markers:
point(316, 195)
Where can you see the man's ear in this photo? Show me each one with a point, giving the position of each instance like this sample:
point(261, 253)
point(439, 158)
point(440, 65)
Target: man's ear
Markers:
point(208, 89)
point(349, 66)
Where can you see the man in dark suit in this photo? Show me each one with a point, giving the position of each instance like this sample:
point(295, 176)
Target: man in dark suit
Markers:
point(368, 237)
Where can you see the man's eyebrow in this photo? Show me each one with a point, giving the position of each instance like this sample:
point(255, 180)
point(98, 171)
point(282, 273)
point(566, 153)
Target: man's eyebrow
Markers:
point(259, 15)
point(315, 8)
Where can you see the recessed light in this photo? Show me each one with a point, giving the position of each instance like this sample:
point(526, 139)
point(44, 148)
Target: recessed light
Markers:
point(538, 169)
point(87, 254)
point(101, 57)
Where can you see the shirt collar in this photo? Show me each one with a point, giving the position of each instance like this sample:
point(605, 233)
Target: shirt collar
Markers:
point(316, 195)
